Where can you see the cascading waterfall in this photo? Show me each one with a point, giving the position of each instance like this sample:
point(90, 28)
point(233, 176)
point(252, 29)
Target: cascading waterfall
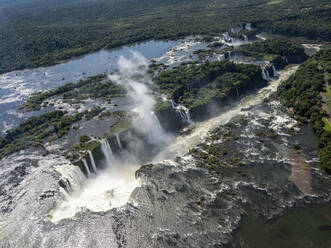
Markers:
point(173, 104)
point(221, 57)
point(237, 90)
point(107, 152)
point(226, 36)
point(230, 55)
point(274, 71)
point(185, 114)
point(248, 26)
point(188, 117)
point(183, 111)
point(118, 141)
point(86, 167)
point(245, 38)
point(265, 74)
point(93, 162)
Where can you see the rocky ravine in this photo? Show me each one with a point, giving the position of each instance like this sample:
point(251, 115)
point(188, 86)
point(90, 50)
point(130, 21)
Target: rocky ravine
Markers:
point(196, 201)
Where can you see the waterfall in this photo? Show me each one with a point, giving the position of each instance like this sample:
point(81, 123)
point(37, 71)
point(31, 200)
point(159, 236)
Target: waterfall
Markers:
point(237, 90)
point(156, 131)
point(107, 152)
point(173, 104)
point(86, 167)
point(185, 114)
point(93, 162)
point(274, 71)
point(229, 55)
point(265, 74)
point(222, 57)
point(226, 36)
point(118, 141)
point(245, 38)
point(248, 26)
point(183, 111)
point(236, 29)
point(188, 117)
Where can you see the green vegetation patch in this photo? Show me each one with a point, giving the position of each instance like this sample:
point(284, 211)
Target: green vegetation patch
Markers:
point(327, 125)
point(123, 122)
point(195, 85)
point(270, 49)
point(86, 146)
point(300, 94)
point(92, 87)
point(36, 130)
point(39, 129)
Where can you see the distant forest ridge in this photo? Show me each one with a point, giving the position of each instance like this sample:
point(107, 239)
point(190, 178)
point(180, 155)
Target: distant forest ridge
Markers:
point(40, 33)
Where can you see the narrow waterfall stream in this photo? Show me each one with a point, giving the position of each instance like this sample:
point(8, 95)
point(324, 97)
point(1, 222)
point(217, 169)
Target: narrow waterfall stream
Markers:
point(182, 110)
point(108, 153)
point(86, 167)
point(118, 141)
point(92, 162)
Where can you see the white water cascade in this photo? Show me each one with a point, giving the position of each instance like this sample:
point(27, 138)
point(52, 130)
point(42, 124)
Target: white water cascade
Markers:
point(237, 90)
point(230, 55)
point(245, 38)
point(248, 26)
point(183, 111)
point(118, 141)
point(265, 74)
point(275, 71)
point(93, 162)
point(226, 37)
point(185, 114)
point(107, 152)
point(86, 167)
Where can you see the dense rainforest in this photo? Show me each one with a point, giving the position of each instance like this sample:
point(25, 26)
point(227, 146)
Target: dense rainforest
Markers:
point(39, 33)
point(196, 85)
point(38, 129)
point(96, 86)
point(281, 52)
point(301, 94)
